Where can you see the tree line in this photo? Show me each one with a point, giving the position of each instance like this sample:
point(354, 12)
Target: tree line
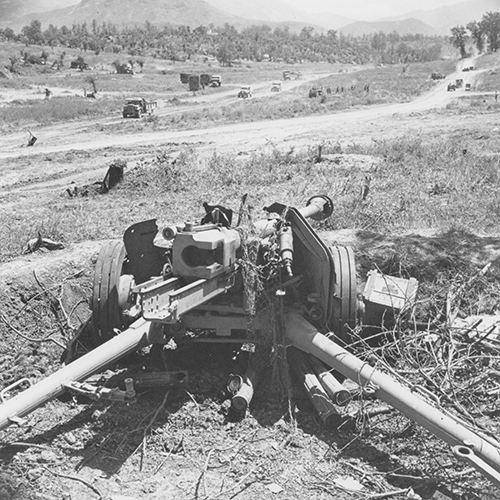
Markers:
point(227, 44)
point(483, 34)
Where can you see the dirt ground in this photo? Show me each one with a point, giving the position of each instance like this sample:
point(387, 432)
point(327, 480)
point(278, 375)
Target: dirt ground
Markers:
point(180, 444)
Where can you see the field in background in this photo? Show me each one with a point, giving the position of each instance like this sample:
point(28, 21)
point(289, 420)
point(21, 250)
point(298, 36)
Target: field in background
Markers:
point(160, 79)
point(386, 85)
point(415, 183)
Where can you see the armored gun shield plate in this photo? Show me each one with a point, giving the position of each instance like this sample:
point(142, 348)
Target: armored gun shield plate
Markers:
point(109, 290)
point(344, 300)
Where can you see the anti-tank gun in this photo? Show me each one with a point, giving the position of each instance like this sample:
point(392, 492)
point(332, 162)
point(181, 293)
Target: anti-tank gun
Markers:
point(187, 283)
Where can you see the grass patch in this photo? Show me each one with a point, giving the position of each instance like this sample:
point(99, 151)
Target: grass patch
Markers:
point(414, 184)
point(56, 109)
point(489, 81)
point(386, 85)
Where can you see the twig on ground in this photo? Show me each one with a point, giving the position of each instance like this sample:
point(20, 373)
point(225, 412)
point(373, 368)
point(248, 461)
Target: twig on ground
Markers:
point(22, 335)
point(150, 423)
point(389, 494)
point(201, 479)
point(75, 478)
point(20, 444)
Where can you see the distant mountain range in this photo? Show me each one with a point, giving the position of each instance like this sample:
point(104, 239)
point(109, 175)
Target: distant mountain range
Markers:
point(444, 18)
point(128, 12)
point(403, 27)
point(278, 11)
point(185, 12)
point(12, 9)
point(240, 13)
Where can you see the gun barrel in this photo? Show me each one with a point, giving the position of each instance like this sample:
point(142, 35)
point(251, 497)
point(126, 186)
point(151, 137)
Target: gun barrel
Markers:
point(318, 208)
point(305, 336)
point(54, 385)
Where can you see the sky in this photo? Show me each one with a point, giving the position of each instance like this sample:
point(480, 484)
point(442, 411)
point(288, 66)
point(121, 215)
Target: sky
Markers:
point(367, 9)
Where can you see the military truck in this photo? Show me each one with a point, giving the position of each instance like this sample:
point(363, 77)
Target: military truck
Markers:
point(276, 87)
point(215, 81)
point(315, 92)
point(291, 75)
point(437, 76)
point(138, 106)
point(245, 92)
point(194, 83)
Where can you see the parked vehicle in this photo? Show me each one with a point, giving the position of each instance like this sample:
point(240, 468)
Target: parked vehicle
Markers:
point(468, 87)
point(451, 87)
point(458, 83)
point(315, 92)
point(276, 87)
point(215, 81)
point(205, 79)
point(194, 83)
point(291, 75)
point(245, 92)
point(138, 106)
point(437, 76)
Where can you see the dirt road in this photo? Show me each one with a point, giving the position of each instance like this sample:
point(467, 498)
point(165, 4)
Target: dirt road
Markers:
point(241, 136)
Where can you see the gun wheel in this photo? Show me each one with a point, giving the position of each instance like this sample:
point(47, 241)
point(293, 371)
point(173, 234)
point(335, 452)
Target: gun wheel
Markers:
point(111, 291)
point(345, 302)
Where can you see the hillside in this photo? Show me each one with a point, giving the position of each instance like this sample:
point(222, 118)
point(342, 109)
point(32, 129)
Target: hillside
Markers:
point(266, 10)
point(185, 12)
point(443, 18)
point(279, 11)
point(329, 20)
point(10, 9)
point(130, 12)
point(403, 27)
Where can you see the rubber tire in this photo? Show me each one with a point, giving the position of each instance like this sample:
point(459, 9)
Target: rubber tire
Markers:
point(106, 313)
point(345, 310)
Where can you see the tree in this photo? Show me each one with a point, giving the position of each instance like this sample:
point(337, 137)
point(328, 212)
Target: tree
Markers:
point(477, 34)
point(490, 25)
point(226, 53)
point(459, 38)
point(33, 33)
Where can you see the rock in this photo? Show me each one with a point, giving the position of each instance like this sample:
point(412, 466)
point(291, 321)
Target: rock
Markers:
point(70, 438)
point(274, 488)
point(348, 483)
point(47, 456)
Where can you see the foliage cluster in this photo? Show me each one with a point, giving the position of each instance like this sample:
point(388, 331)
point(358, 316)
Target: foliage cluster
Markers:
point(227, 44)
point(484, 34)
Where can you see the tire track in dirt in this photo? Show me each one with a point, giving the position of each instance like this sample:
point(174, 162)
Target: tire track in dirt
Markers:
point(243, 134)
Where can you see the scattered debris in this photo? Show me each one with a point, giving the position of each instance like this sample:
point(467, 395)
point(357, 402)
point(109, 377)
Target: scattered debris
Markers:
point(113, 176)
point(31, 139)
point(36, 243)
